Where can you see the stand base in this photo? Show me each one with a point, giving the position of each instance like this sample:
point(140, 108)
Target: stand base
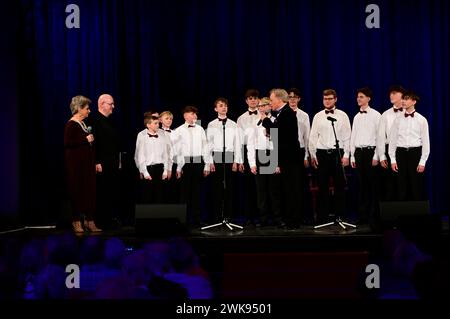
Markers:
point(338, 221)
point(224, 222)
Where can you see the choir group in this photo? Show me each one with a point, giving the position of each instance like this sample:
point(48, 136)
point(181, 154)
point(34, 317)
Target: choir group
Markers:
point(272, 145)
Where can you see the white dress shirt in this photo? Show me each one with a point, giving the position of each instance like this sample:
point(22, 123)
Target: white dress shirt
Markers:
point(303, 130)
point(140, 137)
point(257, 140)
point(214, 134)
point(322, 136)
point(245, 123)
point(365, 131)
point(410, 132)
point(152, 151)
point(191, 142)
point(384, 131)
point(171, 146)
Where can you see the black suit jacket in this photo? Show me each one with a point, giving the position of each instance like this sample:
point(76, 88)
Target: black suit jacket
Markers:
point(287, 145)
point(107, 141)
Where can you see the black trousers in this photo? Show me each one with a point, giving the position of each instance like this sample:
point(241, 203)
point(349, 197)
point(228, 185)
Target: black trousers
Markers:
point(152, 191)
point(388, 190)
point(410, 182)
point(247, 191)
point(330, 167)
point(171, 188)
point(367, 176)
point(190, 188)
point(222, 184)
point(268, 191)
point(291, 201)
point(108, 195)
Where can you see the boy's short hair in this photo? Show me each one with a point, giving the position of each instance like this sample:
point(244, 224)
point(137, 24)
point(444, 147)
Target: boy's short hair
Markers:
point(189, 109)
point(397, 88)
point(330, 92)
point(166, 113)
point(221, 99)
point(295, 91)
point(411, 95)
point(366, 91)
point(264, 101)
point(251, 93)
point(148, 118)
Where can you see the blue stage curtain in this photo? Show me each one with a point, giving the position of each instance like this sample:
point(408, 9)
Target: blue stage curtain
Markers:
point(167, 54)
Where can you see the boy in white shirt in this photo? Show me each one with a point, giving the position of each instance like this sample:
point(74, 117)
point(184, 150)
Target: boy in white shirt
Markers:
point(225, 146)
point(364, 156)
point(409, 148)
point(388, 190)
point(152, 158)
point(268, 186)
point(193, 162)
point(171, 184)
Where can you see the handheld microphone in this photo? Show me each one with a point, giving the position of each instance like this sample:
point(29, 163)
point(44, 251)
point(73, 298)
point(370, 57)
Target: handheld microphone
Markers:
point(332, 119)
point(89, 131)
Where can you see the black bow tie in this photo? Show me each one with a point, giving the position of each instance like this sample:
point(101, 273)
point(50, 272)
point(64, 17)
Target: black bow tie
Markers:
point(169, 131)
point(398, 110)
point(275, 113)
point(222, 120)
point(411, 114)
point(191, 126)
point(328, 112)
point(363, 112)
point(252, 112)
point(150, 135)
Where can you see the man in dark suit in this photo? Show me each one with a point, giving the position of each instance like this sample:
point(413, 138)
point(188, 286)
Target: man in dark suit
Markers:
point(284, 133)
point(107, 160)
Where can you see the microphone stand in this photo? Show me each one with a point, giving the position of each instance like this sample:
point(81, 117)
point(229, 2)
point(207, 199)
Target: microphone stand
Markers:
point(338, 220)
point(225, 220)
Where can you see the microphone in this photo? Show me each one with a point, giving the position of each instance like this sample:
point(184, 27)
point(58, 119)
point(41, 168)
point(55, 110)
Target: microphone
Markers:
point(332, 119)
point(89, 131)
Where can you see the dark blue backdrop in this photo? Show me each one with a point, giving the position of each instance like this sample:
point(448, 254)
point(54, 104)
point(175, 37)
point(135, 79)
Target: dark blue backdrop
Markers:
point(164, 55)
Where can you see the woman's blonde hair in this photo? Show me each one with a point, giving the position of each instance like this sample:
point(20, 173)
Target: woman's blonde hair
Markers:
point(78, 102)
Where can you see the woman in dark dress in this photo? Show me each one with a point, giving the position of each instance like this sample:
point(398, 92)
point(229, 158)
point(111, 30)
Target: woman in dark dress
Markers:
point(80, 165)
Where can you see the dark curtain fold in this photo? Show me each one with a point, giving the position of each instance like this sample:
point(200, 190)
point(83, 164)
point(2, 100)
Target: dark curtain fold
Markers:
point(167, 54)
